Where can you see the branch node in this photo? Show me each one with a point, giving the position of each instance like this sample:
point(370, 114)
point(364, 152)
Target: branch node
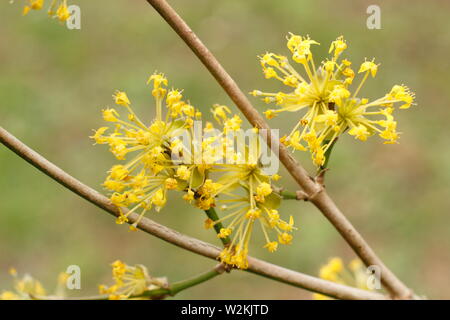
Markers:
point(320, 178)
point(302, 195)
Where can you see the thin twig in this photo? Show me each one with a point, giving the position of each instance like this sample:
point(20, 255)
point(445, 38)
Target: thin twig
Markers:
point(317, 195)
point(191, 244)
point(155, 294)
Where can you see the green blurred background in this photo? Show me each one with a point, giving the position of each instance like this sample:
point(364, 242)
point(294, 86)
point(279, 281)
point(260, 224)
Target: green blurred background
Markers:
point(55, 81)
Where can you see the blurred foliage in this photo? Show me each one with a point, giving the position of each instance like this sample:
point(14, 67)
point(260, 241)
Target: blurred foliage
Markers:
point(54, 82)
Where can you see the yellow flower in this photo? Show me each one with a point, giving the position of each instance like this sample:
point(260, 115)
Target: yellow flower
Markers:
point(403, 94)
point(121, 98)
point(270, 73)
point(276, 177)
point(158, 198)
point(159, 81)
point(119, 172)
point(12, 271)
point(270, 114)
point(271, 246)
point(183, 173)
point(36, 4)
point(329, 65)
point(110, 115)
point(263, 190)
point(98, 135)
point(208, 224)
point(338, 45)
point(130, 281)
point(32, 5)
point(338, 93)
point(26, 10)
point(114, 185)
point(336, 265)
point(360, 132)
point(300, 48)
point(220, 113)
point(353, 275)
point(318, 296)
point(283, 225)
point(63, 12)
point(369, 66)
point(285, 238)
point(173, 96)
point(233, 124)
point(329, 117)
point(189, 196)
point(253, 214)
point(224, 232)
point(171, 183)
point(294, 141)
point(349, 74)
point(318, 156)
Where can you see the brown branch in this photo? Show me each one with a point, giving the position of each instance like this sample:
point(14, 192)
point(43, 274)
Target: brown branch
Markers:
point(256, 266)
point(315, 192)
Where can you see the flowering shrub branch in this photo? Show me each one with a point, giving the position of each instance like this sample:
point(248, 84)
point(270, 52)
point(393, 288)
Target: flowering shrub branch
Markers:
point(256, 266)
point(243, 189)
point(316, 193)
point(130, 282)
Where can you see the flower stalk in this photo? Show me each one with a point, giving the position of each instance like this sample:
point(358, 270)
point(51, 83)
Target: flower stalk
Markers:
point(212, 214)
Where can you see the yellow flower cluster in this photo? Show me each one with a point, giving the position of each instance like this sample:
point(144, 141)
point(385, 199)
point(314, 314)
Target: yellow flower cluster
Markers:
point(130, 281)
point(323, 95)
point(354, 275)
point(144, 181)
point(211, 168)
point(58, 8)
point(27, 288)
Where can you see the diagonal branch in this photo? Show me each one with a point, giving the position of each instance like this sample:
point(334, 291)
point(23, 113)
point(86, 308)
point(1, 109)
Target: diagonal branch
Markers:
point(256, 266)
point(316, 194)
